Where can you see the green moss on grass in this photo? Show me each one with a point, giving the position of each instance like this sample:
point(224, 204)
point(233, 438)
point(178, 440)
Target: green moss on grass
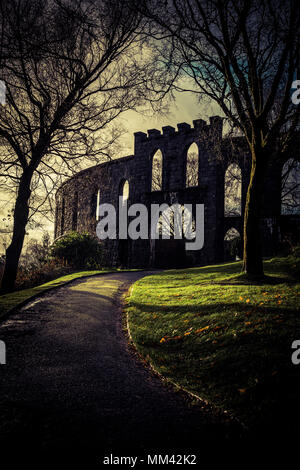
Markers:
point(13, 299)
point(222, 338)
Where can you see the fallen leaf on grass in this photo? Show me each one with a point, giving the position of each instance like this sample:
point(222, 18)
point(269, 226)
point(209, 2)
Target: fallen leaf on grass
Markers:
point(174, 338)
point(166, 339)
point(216, 328)
point(202, 329)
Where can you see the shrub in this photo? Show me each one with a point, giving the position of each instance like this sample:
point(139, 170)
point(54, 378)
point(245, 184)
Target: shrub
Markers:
point(35, 254)
point(78, 250)
point(30, 276)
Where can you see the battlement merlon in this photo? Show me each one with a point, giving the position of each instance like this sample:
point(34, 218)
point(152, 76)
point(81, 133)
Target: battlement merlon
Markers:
point(168, 130)
point(216, 124)
point(183, 127)
point(153, 133)
point(139, 138)
point(200, 125)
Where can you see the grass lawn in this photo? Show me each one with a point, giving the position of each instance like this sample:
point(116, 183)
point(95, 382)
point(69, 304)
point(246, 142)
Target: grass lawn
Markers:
point(224, 340)
point(13, 299)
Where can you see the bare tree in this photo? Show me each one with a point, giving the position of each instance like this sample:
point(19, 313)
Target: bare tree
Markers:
point(70, 68)
point(243, 55)
point(290, 187)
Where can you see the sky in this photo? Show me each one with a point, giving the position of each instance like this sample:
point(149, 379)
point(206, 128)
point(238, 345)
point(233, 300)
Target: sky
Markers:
point(186, 108)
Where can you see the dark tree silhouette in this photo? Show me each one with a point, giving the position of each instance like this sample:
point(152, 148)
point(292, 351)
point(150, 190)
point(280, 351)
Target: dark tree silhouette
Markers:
point(70, 68)
point(243, 55)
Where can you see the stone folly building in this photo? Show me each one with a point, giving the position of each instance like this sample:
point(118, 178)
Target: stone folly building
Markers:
point(190, 165)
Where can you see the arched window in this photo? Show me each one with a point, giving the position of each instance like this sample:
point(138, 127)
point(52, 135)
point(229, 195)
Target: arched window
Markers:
point(98, 205)
point(232, 245)
point(157, 168)
point(233, 191)
point(290, 187)
point(192, 166)
point(125, 191)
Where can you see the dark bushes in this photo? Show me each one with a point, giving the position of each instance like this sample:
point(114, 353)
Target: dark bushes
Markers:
point(78, 250)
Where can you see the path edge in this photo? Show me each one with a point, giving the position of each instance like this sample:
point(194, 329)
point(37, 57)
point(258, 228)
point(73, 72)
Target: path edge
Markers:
point(209, 407)
point(47, 290)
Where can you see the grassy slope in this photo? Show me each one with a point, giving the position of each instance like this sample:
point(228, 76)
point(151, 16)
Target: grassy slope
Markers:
point(12, 300)
point(226, 341)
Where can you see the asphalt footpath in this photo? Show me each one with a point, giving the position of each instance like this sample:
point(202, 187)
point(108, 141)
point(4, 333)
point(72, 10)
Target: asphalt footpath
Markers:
point(72, 388)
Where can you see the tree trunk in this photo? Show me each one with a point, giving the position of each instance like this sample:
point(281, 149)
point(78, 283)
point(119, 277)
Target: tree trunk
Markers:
point(13, 252)
point(252, 256)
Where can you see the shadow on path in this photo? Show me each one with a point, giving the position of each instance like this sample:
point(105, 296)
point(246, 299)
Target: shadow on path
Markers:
point(73, 389)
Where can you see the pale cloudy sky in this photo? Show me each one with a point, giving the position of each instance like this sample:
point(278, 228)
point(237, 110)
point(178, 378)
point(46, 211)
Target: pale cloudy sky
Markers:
point(186, 108)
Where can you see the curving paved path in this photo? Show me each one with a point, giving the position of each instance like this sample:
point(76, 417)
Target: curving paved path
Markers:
point(72, 387)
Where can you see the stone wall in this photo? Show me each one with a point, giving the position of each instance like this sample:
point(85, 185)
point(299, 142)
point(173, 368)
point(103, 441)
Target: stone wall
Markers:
point(76, 199)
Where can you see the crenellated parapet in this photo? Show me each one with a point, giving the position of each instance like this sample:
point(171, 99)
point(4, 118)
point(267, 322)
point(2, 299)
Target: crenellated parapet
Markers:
point(174, 144)
point(200, 126)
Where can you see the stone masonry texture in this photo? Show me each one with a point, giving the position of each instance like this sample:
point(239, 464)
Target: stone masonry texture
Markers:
point(76, 199)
